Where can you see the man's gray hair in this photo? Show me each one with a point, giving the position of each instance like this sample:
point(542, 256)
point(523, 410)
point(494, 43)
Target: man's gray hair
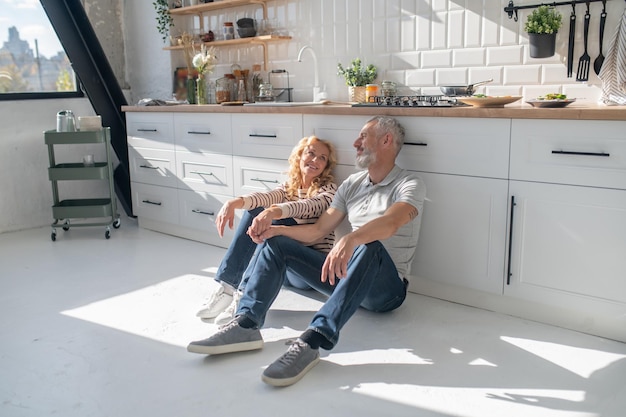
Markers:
point(385, 125)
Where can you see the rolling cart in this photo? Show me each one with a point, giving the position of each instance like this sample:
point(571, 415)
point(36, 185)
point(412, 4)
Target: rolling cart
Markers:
point(85, 208)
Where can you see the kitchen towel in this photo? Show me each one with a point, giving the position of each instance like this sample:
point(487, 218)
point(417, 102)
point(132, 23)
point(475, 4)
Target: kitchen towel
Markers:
point(613, 71)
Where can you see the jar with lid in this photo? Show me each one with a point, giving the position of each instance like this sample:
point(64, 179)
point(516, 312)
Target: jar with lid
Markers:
point(223, 88)
point(371, 91)
point(228, 30)
point(388, 89)
point(266, 92)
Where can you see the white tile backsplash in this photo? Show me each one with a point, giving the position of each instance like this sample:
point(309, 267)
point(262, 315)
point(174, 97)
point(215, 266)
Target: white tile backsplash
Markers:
point(420, 44)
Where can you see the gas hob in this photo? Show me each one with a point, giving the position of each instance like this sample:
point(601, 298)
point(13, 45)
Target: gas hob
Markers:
point(412, 101)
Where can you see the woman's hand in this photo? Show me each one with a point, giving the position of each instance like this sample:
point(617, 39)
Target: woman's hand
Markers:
point(262, 222)
point(226, 214)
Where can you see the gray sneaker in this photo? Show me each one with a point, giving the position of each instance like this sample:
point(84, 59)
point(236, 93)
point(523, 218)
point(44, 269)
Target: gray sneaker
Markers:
point(292, 366)
point(230, 337)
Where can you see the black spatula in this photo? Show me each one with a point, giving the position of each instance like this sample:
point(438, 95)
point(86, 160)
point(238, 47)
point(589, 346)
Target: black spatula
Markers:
point(585, 60)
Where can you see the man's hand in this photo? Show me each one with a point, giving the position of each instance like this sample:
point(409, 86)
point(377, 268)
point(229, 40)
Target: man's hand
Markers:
point(336, 264)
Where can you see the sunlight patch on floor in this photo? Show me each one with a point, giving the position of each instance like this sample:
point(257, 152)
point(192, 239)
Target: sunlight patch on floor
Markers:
point(164, 312)
point(581, 361)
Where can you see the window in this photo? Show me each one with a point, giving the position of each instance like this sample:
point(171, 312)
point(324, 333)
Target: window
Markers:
point(33, 64)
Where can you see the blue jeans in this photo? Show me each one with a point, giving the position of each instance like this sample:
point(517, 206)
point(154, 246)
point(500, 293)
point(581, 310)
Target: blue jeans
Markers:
point(241, 250)
point(372, 282)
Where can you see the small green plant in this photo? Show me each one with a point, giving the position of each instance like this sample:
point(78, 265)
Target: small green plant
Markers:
point(356, 75)
point(544, 19)
point(164, 18)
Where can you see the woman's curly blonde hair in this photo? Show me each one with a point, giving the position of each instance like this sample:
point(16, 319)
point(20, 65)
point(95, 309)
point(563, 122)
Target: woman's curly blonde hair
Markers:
point(295, 174)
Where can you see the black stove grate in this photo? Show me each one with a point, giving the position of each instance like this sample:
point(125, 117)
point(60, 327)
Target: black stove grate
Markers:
point(412, 101)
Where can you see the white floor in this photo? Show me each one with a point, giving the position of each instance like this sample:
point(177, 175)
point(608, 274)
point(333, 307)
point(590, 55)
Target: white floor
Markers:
point(95, 327)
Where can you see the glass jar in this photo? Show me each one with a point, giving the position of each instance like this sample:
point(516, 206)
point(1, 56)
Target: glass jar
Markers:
point(223, 88)
point(371, 91)
point(266, 92)
point(228, 30)
point(388, 89)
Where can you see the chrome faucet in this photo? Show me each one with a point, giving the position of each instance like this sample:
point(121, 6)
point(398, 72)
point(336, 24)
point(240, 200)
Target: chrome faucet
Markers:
point(316, 86)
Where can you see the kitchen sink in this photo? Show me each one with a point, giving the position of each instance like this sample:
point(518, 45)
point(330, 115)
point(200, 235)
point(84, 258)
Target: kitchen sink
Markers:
point(285, 103)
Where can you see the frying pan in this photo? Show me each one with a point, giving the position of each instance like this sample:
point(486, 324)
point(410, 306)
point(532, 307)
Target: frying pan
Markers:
point(464, 90)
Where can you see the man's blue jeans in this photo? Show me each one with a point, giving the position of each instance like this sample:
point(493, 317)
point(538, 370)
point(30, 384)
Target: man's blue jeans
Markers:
point(372, 282)
point(241, 250)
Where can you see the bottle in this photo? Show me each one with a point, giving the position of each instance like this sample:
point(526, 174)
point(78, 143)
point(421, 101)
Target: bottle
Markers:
point(371, 91)
point(228, 30)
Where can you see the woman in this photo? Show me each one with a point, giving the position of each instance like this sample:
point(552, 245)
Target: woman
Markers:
point(307, 193)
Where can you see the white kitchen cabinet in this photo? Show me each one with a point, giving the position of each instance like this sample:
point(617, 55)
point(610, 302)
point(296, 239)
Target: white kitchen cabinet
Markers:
point(197, 212)
point(464, 163)
point(568, 222)
point(462, 236)
point(258, 174)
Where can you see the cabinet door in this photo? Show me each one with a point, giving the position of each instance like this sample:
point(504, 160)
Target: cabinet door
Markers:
point(462, 236)
point(150, 130)
point(568, 247)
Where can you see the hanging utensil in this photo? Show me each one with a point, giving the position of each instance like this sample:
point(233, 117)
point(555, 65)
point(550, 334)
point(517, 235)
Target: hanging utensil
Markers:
point(570, 45)
point(585, 60)
point(597, 64)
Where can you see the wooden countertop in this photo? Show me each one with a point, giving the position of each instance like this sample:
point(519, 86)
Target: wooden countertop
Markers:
point(575, 111)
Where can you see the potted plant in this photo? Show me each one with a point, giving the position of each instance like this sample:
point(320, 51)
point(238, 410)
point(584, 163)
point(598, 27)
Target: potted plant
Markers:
point(357, 77)
point(164, 18)
point(542, 26)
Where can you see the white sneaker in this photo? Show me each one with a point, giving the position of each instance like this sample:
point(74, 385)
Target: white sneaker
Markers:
point(228, 314)
point(218, 302)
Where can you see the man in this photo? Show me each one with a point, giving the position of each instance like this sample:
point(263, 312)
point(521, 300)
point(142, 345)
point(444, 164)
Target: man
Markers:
point(365, 268)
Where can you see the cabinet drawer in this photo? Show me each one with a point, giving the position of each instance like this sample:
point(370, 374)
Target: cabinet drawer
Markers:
point(569, 153)
point(254, 174)
point(150, 130)
point(265, 135)
point(203, 133)
point(198, 210)
point(152, 166)
point(205, 172)
point(462, 146)
point(155, 203)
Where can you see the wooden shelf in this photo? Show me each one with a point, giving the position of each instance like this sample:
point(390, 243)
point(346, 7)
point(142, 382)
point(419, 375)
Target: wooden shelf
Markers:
point(216, 5)
point(237, 41)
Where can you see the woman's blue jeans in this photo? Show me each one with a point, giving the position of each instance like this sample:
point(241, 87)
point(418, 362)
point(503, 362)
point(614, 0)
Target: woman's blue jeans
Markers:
point(241, 250)
point(372, 282)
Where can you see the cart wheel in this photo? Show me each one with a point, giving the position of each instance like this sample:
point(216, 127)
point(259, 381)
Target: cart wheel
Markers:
point(53, 236)
point(107, 233)
point(66, 225)
point(117, 223)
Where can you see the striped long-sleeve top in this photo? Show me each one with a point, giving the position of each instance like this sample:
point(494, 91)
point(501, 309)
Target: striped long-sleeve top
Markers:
point(303, 210)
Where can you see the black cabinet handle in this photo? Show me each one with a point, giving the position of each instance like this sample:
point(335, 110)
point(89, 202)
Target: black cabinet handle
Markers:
point(262, 180)
point(154, 203)
point(416, 143)
point(193, 132)
point(146, 130)
point(208, 213)
point(508, 275)
point(202, 173)
point(258, 135)
point(604, 154)
point(148, 167)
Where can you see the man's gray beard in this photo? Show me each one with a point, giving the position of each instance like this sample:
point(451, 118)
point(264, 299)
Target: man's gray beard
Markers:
point(364, 160)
